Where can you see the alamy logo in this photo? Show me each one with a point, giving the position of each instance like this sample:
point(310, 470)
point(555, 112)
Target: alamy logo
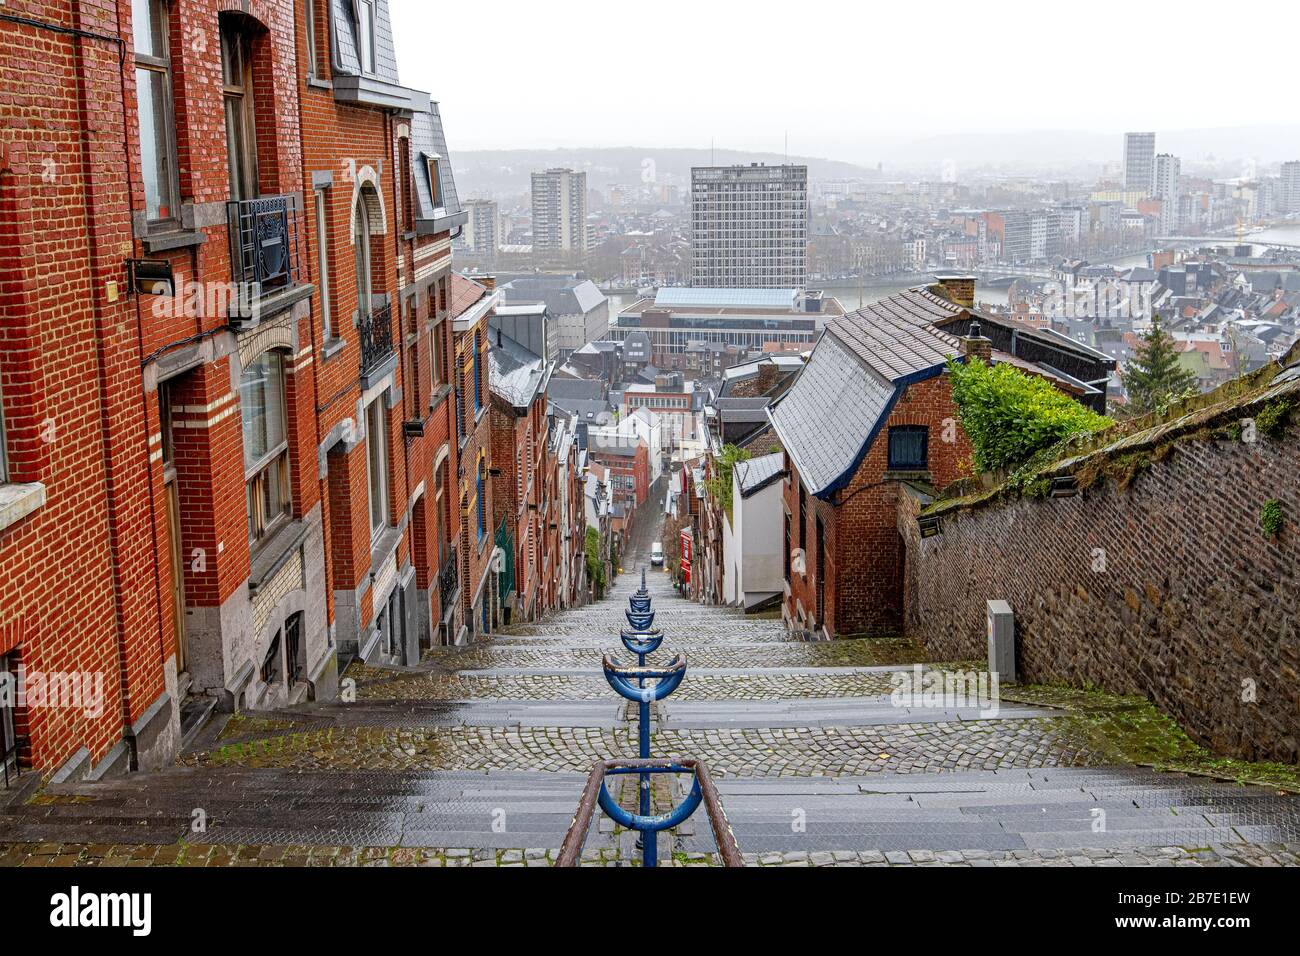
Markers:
point(76, 909)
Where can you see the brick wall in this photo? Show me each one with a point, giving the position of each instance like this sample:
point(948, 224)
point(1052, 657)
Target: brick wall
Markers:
point(1167, 589)
point(862, 556)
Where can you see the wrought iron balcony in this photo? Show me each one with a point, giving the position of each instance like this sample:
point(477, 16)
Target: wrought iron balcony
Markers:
point(263, 243)
point(448, 580)
point(376, 338)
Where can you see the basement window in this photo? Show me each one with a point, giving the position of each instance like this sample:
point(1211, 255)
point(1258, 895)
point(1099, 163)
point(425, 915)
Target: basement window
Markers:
point(909, 448)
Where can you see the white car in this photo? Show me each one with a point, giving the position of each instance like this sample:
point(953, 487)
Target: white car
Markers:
point(657, 554)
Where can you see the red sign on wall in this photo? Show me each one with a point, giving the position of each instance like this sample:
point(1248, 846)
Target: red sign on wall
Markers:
point(686, 556)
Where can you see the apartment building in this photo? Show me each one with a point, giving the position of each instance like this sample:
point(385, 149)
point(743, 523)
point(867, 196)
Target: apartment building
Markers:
point(523, 477)
point(749, 226)
point(481, 236)
point(477, 600)
point(559, 201)
point(255, 479)
point(1168, 189)
point(1139, 162)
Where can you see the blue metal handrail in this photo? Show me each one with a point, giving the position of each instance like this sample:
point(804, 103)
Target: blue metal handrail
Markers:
point(642, 643)
point(596, 793)
point(640, 621)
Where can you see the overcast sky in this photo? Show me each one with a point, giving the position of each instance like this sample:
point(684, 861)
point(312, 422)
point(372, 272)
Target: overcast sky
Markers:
point(840, 78)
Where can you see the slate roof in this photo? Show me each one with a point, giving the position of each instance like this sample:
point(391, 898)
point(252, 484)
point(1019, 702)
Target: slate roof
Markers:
point(892, 342)
point(757, 473)
point(346, 53)
point(428, 139)
point(831, 413)
point(515, 373)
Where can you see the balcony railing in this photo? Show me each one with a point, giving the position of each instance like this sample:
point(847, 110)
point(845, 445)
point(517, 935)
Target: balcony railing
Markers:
point(448, 580)
point(376, 338)
point(263, 243)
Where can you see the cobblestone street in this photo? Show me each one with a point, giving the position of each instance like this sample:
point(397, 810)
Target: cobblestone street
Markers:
point(477, 756)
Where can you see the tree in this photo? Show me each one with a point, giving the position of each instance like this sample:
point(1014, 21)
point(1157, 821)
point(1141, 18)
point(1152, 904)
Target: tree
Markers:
point(1155, 376)
point(724, 465)
point(1010, 416)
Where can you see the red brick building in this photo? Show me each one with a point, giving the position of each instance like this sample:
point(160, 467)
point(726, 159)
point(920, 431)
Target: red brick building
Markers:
point(523, 476)
point(871, 417)
point(472, 306)
point(229, 453)
point(382, 207)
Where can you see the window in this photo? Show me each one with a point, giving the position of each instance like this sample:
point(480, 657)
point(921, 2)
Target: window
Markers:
point(389, 624)
point(323, 260)
point(8, 704)
point(293, 648)
point(377, 462)
point(909, 448)
point(311, 38)
point(266, 444)
point(482, 500)
point(437, 375)
point(237, 94)
point(787, 546)
point(431, 162)
point(154, 111)
point(366, 35)
point(361, 241)
point(478, 379)
point(803, 519)
point(270, 672)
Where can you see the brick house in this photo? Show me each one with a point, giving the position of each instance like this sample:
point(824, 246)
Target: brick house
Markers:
point(570, 482)
point(383, 205)
point(523, 476)
point(255, 476)
point(628, 461)
point(471, 306)
point(871, 412)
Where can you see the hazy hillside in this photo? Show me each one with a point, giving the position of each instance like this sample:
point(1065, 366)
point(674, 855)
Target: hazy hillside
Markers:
point(507, 170)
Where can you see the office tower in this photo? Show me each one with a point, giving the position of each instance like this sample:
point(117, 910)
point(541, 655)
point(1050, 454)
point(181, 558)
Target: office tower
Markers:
point(1139, 162)
point(749, 226)
point(559, 211)
point(1168, 190)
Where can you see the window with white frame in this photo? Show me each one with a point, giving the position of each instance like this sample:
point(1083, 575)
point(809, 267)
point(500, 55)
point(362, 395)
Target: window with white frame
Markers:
point(366, 35)
point(153, 79)
point(323, 263)
point(266, 444)
point(377, 463)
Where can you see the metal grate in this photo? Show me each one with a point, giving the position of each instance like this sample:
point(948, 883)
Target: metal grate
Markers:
point(376, 338)
point(263, 242)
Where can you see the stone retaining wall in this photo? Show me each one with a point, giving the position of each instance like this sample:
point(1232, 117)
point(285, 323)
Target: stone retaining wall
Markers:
point(1168, 588)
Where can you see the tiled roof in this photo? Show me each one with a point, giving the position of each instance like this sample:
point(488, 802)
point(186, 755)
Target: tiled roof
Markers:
point(515, 373)
point(830, 413)
point(894, 345)
point(464, 293)
point(757, 473)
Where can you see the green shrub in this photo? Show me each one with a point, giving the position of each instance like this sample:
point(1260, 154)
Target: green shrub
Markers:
point(595, 566)
point(1270, 421)
point(1271, 518)
point(724, 465)
point(1011, 416)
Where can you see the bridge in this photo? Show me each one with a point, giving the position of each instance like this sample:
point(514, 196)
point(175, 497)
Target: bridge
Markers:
point(1246, 240)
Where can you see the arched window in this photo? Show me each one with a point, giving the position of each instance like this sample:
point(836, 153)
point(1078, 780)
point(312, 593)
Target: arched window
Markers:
point(266, 444)
point(361, 240)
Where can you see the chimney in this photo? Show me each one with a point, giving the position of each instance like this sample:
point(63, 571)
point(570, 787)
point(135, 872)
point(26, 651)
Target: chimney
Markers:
point(976, 345)
point(957, 289)
point(767, 372)
point(488, 282)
